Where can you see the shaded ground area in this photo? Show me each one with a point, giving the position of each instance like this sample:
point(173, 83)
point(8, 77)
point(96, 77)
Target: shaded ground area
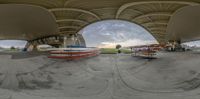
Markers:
point(21, 55)
point(173, 75)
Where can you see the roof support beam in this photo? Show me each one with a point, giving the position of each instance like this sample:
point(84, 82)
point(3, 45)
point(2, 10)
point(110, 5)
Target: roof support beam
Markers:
point(70, 27)
point(157, 29)
point(71, 20)
point(159, 33)
point(125, 6)
point(155, 26)
point(67, 32)
point(77, 10)
point(153, 14)
point(155, 22)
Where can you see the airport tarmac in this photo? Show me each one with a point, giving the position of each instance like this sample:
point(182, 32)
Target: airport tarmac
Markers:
point(174, 75)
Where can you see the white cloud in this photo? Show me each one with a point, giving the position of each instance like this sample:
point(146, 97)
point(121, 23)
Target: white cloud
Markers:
point(193, 43)
point(128, 43)
point(15, 43)
point(136, 42)
point(116, 31)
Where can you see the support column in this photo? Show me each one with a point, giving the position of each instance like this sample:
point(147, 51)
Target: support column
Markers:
point(179, 46)
point(81, 40)
point(31, 46)
point(34, 46)
point(65, 41)
point(175, 45)
point(69, 40)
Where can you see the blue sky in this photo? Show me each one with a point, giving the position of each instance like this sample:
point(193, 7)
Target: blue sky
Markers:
point(112, 32)
point(15, 43)
point(193, 43)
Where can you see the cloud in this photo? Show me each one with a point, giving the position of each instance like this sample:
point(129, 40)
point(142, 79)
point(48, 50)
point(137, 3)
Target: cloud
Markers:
point(15, 43)
point(116, 31)
point(136, 42)
point(193, 43)
point(128, 43)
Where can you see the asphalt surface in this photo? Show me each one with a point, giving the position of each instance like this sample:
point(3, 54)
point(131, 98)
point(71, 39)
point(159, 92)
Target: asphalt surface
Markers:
point(171, 76)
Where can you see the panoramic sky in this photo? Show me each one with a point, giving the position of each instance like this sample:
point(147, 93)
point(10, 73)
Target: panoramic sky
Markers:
point(111, 32)
point(107, 34)
point(193, 43)
point(15, 43)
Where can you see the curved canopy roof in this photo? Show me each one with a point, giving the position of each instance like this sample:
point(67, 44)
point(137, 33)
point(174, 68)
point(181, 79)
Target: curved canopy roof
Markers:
point(73, 15)
point(25, 22)
point(180, 28)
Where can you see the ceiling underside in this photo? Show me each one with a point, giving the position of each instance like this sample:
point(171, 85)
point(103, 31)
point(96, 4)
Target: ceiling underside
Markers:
point(73, 15)
point(15, 23)
point(180, 28)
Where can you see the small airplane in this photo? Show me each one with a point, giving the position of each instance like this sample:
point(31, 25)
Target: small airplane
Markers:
point(73, 53)
point(146, 51)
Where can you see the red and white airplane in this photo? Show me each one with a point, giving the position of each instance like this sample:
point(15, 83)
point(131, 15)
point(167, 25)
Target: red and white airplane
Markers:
point(146, 51)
